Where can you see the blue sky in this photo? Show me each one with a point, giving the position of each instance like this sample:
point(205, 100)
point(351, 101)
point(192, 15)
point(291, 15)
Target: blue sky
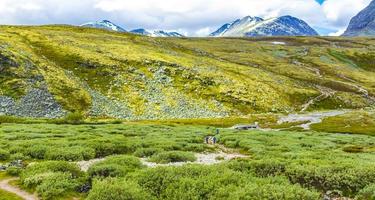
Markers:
point(190, 17)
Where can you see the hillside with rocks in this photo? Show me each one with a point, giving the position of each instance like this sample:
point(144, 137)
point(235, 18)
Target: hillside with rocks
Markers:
point(49, 71)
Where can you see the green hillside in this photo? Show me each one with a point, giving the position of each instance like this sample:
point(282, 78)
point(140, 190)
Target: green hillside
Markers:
point(49, 71)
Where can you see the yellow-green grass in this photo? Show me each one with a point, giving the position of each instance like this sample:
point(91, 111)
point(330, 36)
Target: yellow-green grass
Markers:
point(4, 195)
point(356, 122)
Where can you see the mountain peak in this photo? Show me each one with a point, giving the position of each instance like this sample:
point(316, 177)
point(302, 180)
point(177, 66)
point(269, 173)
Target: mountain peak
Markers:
point(104, 24)
point(255, 26)
point(363, 24)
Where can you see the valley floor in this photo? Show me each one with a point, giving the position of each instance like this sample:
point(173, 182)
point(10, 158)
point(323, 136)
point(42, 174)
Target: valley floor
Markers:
point(171, 161)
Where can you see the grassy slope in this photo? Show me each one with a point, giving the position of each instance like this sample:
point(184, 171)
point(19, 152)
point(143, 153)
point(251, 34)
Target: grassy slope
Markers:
point(359, 122)
point(150, 78)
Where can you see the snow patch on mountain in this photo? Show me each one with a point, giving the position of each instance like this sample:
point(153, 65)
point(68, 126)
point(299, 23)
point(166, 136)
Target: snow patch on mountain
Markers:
point(104, 24)
point(256, 26)
point(156, 33)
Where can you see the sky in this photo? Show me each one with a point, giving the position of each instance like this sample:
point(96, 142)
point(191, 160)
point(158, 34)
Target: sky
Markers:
point(189, 17)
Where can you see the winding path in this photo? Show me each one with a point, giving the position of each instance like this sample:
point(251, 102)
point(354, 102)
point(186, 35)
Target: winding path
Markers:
point(4, 185)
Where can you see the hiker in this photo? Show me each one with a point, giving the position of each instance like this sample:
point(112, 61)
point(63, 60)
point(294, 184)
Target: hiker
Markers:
point(217, 131)
point(214, 140)
point(206, 139)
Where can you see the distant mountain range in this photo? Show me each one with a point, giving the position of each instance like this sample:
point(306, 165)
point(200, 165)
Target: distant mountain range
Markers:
point(108, 25)
point(256, 26)
point(363, 24)
point(157, 33)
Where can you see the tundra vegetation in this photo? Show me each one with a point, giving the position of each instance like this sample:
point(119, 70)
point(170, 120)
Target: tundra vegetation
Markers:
point(71, 94)
point(279, 164)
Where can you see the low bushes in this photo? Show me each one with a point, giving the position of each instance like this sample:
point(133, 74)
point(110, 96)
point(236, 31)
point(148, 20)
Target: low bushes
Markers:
point(70, 154)
point(216, 182)
point(52, 178)
point(116, 189)
point(146, 152)
point(348, 180)
point(173, 156)
point(4, 155)
point(367, 193)
point(115, 166)
point(71, 118)
point(55, 184)
point(10, 119)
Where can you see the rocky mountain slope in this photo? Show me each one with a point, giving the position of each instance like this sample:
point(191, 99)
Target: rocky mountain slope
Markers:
point(105, 24)
point(256, 26)
point(363, 24)
point(157, 33)
point(49, 71)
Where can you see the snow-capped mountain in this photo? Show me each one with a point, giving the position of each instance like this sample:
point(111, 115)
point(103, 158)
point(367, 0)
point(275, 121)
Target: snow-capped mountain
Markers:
point(104, 24)
point(157, 33)
point(363, 24)
point(256, 26)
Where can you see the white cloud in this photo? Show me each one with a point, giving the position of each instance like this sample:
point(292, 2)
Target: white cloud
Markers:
point(338, 33)
point(194, 17)
point(339, 12)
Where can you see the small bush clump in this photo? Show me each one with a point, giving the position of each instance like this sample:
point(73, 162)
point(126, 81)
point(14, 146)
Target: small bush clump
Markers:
point(52, 178)
point(70, 154)
point(146, 152)
point(173, 156)
point(4, 155)
point(117, 189)
point(367, 193)
point(115, 166)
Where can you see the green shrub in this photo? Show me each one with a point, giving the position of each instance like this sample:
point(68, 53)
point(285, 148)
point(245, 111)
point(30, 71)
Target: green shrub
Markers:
point(367, 193)
point(216, 182)
point(36, 151)
point(107, 147)
point(194, 147)
point(346, 179)
point(19, 156)
point(146, 152)
point(10, 119)
point(115, 166)
point(4, 155)
point(266, 168)
point(173, 156)
point(56, 184)
point(51, 166)
point(14, 171)
point(115, 189)
point(70, 154)
point(52, 178)
point(71, 118)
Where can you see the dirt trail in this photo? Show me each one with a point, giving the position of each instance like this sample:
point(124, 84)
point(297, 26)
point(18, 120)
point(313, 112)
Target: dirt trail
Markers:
point(4, 185)
point(202, 159)
point(224, 154)
point(325, 93)
point(311, 118)
point(86, 164)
